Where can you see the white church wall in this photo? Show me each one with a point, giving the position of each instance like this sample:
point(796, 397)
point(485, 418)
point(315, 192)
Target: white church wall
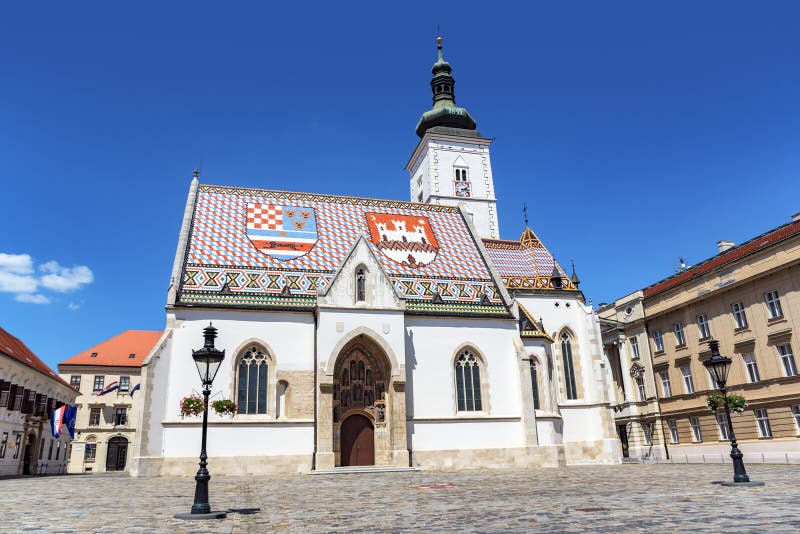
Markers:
point(228, 438)
point(467, 434)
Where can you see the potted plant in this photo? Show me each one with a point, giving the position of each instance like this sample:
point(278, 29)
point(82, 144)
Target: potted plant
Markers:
point(736, 403)
point(192, 405)
point(224, 407)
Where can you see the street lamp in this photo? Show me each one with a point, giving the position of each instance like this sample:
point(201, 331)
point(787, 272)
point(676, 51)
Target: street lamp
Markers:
point(207, 360)
point(719, 366)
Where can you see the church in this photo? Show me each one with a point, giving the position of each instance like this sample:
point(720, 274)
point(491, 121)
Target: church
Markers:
point(367, 332)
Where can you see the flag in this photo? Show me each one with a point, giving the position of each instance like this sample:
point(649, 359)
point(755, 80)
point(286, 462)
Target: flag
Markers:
point(109, 388)
point(57, 420)
point(135, 388)
point(69, 419)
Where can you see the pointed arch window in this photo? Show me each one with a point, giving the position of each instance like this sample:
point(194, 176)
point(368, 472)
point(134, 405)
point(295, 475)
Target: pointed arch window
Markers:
point(534, 384)
point(468, 382)
point(361, 284)
point(461, 182)
point(252, 382)
point(569, 369)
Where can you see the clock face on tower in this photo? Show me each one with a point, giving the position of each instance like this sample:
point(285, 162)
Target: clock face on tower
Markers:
point(462, 189)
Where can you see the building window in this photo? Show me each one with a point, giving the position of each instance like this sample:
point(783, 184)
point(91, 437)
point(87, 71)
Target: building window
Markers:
point(739, 315)
point(253, 377)
point(752, 368)
point(702, 325)
point(796, 415)
point(124, 383)
point(99, 382)
point(468, 382)
point(120, 416)
point(361, 285)
point(534, 384)
point(773, 304)
point(569, 370)
point(75, 382)
point(635, 347)
point(764, 431)
point(461, 183)
point(640, 386)
point(787, 359)
point(697, 436)
point(41, 448)
point(647, 432)
point(4, 445)
point(89, 452)
point(658, 340)
point(58, 449)
point(50, 452)
point(724, 429)
point(419, 197)
point(712, 383)
point(688, 382)
point(94, 416)
point(673, 430)
point(680, 340)
point(666, 387)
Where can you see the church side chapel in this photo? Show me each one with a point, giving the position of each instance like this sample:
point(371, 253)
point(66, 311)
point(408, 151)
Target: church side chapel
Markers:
point(367, 332)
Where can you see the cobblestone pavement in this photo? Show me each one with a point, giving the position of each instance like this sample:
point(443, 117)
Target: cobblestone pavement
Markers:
point(627, 498)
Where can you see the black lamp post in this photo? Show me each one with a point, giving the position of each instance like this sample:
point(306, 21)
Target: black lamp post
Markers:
point(719, 366)
point(207, 360)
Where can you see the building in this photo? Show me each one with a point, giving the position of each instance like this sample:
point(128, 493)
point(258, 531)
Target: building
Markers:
point(377, 332)
point(748, 298)
point(29, 393)
point(107, 377)
point(635, 397)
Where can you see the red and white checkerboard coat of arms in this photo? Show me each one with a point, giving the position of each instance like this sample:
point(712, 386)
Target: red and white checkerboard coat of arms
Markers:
point(282, 232)
point(405, 239)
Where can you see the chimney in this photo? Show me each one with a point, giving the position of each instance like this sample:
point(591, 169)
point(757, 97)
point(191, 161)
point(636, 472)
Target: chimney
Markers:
point(725, 245)
point(796, 216)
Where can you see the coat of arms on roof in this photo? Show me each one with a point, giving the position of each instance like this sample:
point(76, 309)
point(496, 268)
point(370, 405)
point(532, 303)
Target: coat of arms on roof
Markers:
point(281, 232)
point(404, 239)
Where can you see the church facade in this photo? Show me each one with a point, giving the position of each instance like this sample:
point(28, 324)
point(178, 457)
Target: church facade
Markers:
point(377, 332)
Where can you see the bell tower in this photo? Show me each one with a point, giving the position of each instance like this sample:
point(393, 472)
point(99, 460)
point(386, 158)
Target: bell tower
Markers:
point(451, 163)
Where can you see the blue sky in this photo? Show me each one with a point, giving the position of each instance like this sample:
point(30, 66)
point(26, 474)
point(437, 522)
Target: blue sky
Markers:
point(636, 133)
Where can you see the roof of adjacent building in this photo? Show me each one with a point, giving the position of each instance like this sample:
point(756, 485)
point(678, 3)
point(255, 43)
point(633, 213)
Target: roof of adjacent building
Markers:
point(526, 264)
point(15, 349)
point(262, 248)
point(128, 349)
point(758, 243)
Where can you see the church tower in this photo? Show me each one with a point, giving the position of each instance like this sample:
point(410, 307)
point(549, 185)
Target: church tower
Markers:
point(451, 163)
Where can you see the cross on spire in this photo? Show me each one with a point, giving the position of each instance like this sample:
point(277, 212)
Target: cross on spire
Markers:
point(525, 211)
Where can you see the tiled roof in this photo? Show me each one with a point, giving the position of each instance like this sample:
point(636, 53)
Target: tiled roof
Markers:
point(17, 350)
point(525, 264)
point(251, 247)
point(752, 246)
point(529, 326)
point(118, 350)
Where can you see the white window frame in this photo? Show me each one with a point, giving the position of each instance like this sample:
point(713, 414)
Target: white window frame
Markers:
point(635, 347)
point(773, 302)
point(702, 326)
point(712, 383)
point(688, 380)
point(672, 424)
point(666, 385)
point(641, 388)
point(739, 314)
point(762, 421)
point(787, 360)
point(751, 367)
point(722, 426)
point(697, 432)
point(658, 340)
point(796, 414)
point(680, 337)
point(124, 383)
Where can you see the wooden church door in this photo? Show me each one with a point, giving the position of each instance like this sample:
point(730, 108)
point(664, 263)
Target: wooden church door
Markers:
point(358, 441)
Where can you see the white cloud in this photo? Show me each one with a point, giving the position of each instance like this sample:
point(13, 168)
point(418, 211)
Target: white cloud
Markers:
point(65, 279)
point(18, 276)
point(74, 306)
point(32, 298)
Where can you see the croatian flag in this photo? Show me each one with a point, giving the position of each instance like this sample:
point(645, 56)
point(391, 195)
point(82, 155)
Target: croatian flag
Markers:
point(69, 419)
point(109, 388)
point(136, 388)
point(57, 420)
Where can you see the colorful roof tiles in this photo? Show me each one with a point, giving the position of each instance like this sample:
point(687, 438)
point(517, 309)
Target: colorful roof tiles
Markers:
point(128, 349)
point(261, 248)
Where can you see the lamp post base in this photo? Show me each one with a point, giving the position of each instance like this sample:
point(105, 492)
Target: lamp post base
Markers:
point(210, 515)
point(749, 484)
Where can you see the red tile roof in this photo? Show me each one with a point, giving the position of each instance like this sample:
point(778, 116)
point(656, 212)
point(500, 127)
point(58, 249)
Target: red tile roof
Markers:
point(17, 350)
point(752, 246)
point(118, 350)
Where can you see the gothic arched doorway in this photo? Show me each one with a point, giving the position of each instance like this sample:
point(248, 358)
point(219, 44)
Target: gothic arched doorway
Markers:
point(117, 454)
point(358, 441)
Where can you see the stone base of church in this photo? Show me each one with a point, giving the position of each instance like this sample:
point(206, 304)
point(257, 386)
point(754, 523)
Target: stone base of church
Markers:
point(602, 451)
point(463, 459)
point(228, 465)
